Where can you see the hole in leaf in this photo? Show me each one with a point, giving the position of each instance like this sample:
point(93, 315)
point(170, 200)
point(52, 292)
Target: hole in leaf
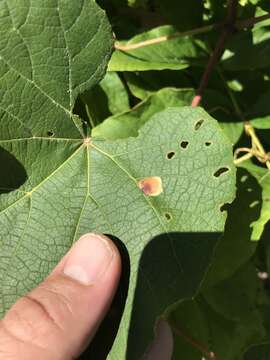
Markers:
point(224, 207)
point(221, 171)
point(184, 144)
point(207, 143)
point(170, 155)
point(50, 133)
point(198, 124)
point(168, 216)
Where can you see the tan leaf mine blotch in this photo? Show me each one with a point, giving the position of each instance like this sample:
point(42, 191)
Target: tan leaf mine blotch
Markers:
point(151, 186)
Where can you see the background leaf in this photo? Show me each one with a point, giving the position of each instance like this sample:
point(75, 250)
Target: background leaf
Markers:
point(44, 68)
point(128, 123)
point(173, 54)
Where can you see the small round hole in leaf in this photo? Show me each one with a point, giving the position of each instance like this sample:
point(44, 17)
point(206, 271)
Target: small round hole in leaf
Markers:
point(50, 133)
point(198, 124)
point(224, 207)
point(168, 216)
point(207, 143)
point(184, 144)
point(170, 155)
point(221, 171)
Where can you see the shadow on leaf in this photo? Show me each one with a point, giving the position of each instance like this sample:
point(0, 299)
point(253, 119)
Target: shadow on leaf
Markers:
point(236, 246)
point(189, 255)
point(104, 338)
point(13, 174)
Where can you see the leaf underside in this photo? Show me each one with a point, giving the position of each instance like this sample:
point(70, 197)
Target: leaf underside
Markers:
point(60, 184)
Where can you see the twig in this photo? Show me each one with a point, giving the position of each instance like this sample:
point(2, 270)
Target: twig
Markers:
point(161, 39)
point(239, 25)
point(242, 24)
point(210, 354)
point(218, 51)
point(209, 68)
point(256, 150)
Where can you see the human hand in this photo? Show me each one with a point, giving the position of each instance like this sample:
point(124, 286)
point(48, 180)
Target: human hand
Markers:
point(58, 319)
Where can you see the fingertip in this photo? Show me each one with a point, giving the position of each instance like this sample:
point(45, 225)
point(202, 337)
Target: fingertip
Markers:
point(90, 258)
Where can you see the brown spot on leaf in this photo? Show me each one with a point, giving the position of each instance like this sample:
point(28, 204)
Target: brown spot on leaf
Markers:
point(151, 186)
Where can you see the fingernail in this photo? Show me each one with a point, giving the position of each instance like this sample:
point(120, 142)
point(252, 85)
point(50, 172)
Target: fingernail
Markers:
point(89, 259)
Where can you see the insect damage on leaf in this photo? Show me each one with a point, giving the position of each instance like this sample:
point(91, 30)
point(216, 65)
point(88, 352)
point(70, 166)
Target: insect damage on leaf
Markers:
point(151, 186)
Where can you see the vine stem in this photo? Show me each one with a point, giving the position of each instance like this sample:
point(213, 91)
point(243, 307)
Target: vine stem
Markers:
point(239, 25)
point(228, 29)
point(160, 39)
point(257, 149)
point(216, 55)
point(210, 354)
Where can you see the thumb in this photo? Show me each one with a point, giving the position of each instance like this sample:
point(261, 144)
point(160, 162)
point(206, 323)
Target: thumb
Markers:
point(57, 319)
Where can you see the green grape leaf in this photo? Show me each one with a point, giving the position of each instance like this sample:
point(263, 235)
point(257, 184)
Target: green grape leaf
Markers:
point(258, 114)
point(233, 313)
point(262, 122)
point(128, 123)
point(263, 177)
point(190, 330)
point(145, 83)
point(46, 60)
point(185, 15)
point(136, 3)
point(224, 320)
point(174, 54)
point(106, 98)
point(248, 50)
point(116, 93)
point(103, 100)
point(258, 352)
point(59, 183)
point(235, 247)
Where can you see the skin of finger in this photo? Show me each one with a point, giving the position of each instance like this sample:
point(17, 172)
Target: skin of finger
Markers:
point(60, 316)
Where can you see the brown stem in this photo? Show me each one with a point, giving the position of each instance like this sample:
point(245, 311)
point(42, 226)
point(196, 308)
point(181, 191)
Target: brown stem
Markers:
point(214, 58)
point(195, 343)
point(161, 39)
point(239, 25)
point(218, 51)
point(242, 24)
